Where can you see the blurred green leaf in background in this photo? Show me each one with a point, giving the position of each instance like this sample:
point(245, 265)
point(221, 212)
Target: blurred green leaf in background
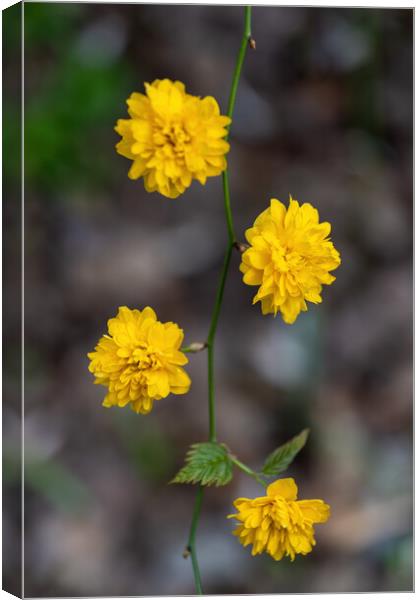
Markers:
point(70, 111)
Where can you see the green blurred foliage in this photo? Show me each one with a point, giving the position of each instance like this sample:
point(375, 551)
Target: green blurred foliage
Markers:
point(364, 91)
point(58, 485)
point(398, 562)
point(12, 60)
point(51, 25)
point(148, 448)
point(73, 108)
point(50, 479)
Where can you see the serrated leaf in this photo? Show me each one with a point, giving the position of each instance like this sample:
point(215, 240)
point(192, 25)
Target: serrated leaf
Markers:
point(281, 458)
point(207, 463)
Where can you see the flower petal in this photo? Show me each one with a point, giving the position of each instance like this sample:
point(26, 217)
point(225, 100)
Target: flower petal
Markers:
point(286, 488)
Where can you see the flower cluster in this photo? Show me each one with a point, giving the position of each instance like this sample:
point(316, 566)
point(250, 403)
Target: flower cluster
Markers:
point(278, 523)
point(172, 138)
point(139, 361)
point(290, 258)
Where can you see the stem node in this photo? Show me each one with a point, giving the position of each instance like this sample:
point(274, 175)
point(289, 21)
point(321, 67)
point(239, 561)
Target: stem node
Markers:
point(195, 347)
point(240, 247)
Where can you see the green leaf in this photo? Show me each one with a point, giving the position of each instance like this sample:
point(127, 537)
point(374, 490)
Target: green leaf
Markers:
point(280, 459)
point(207, 463)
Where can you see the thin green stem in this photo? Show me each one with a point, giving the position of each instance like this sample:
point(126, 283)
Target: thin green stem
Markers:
point(191, 540)
point(228, 209)
point(210, 342)
point(248, 471)
point(246, 36)
point(231, 234)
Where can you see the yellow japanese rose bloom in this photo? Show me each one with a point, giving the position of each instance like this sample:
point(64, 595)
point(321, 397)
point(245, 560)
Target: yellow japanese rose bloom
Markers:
point(139, 361)
point(172, 137)
point(278, 523)
point(290, 258)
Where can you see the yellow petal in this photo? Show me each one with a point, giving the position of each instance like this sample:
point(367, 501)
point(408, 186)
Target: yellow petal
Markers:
point(286, 488)
point(316, 511)
point(179, 378)
point(278, 210)
point(253, 277)
point(148, 313)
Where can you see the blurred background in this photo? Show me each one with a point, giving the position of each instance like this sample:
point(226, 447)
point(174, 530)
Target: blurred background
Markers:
point(324, 111)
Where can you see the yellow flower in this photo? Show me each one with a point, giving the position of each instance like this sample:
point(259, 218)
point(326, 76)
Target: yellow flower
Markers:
point(172, 137)
point(278, 523)
point(290, 258)
point(139, 361)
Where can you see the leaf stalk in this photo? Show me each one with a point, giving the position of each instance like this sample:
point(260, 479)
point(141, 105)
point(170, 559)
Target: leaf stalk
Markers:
point(248, 471)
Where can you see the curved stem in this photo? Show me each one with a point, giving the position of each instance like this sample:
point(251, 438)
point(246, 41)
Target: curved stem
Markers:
point(210, 342)
point(246, 37)
point(228, 209)
point(191, 541)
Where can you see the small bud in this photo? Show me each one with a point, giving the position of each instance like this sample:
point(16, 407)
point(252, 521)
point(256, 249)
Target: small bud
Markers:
point(241, 247)
point(186, 552)
point(252, 44)
point(197, 346)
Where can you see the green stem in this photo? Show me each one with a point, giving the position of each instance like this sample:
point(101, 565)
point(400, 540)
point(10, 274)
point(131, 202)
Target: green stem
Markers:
point(210, 342)
point(248, 471)
point(246, 36)
point(231, 234)
point(228, 209)
point(191, 540)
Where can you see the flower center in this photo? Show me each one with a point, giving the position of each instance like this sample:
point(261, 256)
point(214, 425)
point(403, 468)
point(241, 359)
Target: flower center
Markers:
point(286, 259)
point(145, 359)
point(171, 138)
